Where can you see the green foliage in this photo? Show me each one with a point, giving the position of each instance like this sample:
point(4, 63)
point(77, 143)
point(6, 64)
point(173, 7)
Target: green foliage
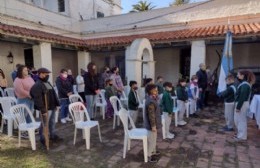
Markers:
point(179, 2)
point(142, 6)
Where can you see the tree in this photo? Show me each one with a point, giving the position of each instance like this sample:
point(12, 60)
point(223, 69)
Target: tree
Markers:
point(142, 6)
point(179, 2)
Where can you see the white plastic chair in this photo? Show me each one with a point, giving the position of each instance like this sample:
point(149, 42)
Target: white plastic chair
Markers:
point(75, 98)
point(134, 133)
point(58, 108)
point(115, 103)
point(9, 92)
point(77, 111)
point(101, 103)
point(187, 106)
point(124, 99)
point(19, 112)
point(2, 92)
point(7, 103)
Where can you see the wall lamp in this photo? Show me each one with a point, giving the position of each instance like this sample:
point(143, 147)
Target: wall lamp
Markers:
point(10, 57)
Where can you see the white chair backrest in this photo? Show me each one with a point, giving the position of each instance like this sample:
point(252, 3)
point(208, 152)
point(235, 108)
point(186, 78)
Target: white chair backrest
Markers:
point(7, 103)
point(123, 115)
point(2, 92)
point(75, 98)
point(9, 92)
point(141, 93)
point(77, 111)
point(124, 95)
point(115, 102)
point(19, 113)
point(101, 97)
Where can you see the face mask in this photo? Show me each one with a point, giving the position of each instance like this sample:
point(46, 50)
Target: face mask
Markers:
point(135, 88)
point(64, 75)
point(110, 84)
point(107, 71)
point(46, 78)
point(240, 80)
point(196, 80)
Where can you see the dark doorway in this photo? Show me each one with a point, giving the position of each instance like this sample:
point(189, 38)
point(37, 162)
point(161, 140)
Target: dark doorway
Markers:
point(28, 57)
point(185, 58)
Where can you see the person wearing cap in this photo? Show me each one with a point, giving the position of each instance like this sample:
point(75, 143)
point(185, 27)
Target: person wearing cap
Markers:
point(38, 91)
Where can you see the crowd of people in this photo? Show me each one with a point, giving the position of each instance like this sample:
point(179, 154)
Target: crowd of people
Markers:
point(34, 89)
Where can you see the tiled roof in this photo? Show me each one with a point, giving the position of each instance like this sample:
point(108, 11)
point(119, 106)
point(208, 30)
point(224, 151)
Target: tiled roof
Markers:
point(39, 35)
point(178, 35)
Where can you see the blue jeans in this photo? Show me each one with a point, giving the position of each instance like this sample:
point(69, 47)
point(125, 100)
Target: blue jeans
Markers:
point(30, 104)
point(91, 101)
point(64, 103)
point(52, 114)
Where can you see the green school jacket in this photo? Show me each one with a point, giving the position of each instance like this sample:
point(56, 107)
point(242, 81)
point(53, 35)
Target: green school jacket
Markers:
point(167, 102)
point(132, 101)
point(229, 94)
point(243, 93)
point(181, 93)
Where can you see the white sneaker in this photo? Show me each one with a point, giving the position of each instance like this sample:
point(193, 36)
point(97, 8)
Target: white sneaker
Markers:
point(170, 136)
point(63, 121)
point(68, 119)
point(182, 123)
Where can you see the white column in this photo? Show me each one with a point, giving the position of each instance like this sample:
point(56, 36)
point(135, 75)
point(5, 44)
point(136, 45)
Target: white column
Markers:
point(42, 57)
point(83, 59)
point(198, 55)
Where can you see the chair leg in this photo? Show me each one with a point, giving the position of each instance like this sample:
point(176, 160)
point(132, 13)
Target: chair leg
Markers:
point(145, 149)
point(176, 119)
point(57, 115)
point(32, 138)
point(99, 133)
point(125, 146)
point(129, 143)
point(87, 135)
point(118, 121)
point(103, 112)
point(2, 124)
point(75, 136)
point(10, 127)
point(187, 109)
point(19, 138)
point(114, 122)
point(37, 114)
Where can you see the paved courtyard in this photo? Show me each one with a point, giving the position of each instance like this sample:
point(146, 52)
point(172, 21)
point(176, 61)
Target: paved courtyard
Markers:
point(201, 143)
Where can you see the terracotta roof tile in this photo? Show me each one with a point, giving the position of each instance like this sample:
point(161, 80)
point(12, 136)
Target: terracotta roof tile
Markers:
point(190, 33)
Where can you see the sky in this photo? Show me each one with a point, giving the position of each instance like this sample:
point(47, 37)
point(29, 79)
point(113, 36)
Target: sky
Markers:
point(127, 4)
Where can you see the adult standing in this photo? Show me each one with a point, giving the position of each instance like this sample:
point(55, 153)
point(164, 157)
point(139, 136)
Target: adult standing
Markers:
point(14, 73)
point(81, 85)
point(65, 89)
point(105, 76)
point(3, 81)
point(91, 87)
point(202, 83)
point(38, 92)
point(159, 85)
point(117, 80)
point(22, 86)
point(210, 84)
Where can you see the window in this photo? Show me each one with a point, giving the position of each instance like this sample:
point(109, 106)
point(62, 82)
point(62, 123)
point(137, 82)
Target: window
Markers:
point(61, 5)
point(100, 15)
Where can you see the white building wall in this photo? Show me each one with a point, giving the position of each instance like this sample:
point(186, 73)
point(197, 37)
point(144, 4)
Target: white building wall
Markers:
point(18, 53)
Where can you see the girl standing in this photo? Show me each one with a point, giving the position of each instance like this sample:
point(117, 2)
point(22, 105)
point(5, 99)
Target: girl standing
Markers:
point(246, 79)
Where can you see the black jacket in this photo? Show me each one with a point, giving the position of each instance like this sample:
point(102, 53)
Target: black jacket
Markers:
point(91, 84)
point(64, 87)
point(202, 79)
point(38, 91)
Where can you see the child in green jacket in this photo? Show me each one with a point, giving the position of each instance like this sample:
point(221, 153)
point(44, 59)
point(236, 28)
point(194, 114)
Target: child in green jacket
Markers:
point(182, 98)
point(167, 107)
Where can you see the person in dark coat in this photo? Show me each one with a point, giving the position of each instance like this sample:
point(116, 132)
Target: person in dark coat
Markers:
point(202, 83)
point(38, 91)
point(65, 89)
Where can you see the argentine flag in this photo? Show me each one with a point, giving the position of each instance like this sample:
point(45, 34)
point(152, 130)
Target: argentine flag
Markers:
point(226, 63)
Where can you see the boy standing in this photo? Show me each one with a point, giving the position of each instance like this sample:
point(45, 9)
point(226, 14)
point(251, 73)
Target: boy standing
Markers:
point(167, 107)
point(133, 102)
point(151, 120)
point(110, 91)
point(229, 97)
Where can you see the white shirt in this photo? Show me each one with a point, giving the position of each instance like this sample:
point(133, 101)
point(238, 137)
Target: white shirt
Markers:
point(80, 83)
